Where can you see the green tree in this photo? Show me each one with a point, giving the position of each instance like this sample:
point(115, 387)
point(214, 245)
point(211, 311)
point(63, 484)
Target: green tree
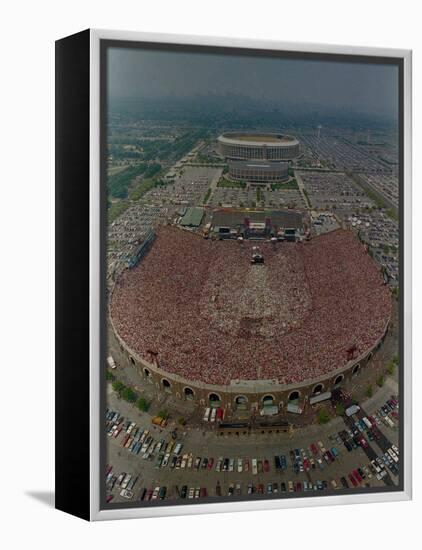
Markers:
point(323, 416)
point(129, 395)
point(142, 404)
point(163, 413)
point(118, 386)
point(391, 367)
point(340, 409)
point(369, 391)
point(110, 376)
point(380, 380)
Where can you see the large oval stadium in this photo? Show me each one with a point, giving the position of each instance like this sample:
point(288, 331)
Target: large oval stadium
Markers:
point(258, 146)
point(202, 322)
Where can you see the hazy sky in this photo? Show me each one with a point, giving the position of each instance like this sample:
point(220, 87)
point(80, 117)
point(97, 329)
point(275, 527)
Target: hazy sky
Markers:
point(138, 73)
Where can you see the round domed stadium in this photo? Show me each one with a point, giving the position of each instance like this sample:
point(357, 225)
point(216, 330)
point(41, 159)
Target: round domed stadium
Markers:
point(258, 157)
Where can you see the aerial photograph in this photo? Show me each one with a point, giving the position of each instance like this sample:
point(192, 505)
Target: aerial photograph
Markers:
point(252, 276)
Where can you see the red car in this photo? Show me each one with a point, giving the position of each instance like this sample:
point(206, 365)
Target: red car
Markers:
point(363, 442)
point(353, 480)
point(298, 487)
point(109, 498)
point(260, 488)
point(306, 464)
point(330, 456)
point(314, 449)
point(357, 476)
point(210, 463)
point(266, 466)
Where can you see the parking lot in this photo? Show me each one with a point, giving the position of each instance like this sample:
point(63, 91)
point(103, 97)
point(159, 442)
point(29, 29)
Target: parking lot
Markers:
point(312, 459)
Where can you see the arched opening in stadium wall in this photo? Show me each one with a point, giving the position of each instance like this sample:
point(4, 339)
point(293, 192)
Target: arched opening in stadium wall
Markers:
point(214, 399)
point(356, 369)
point(339, 380)
point(269, 407)
point(294, 396)
point(268, 400)
point(241, 402)
point(166, 385)
point(318, 389)
point(189, 393)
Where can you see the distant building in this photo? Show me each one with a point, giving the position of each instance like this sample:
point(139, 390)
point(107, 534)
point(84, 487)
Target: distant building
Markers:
point(258, 158)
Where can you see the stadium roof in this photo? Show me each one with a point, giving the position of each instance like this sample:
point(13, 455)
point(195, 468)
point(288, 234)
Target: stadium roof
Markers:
point(264, 166)
point(258, 139)
point(193, 217)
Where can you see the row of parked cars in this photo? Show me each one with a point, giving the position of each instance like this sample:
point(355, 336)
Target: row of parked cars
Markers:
point(140, 441)
point(304, 460)
point(388, 414)
point(235, 488)
point(123, 482)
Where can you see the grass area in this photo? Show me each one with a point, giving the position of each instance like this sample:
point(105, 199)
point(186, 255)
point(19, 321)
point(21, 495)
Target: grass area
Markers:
point(307, 197)
point(118, 183)
point(375, 197)
point(207, 196)
point(116, 169)
point(144, 187)
point(291, 184)
point(117, 209)
point(139, 191)
point(223, 182)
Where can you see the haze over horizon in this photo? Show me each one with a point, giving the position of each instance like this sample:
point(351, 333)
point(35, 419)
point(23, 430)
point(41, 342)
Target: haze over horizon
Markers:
point(233, 81)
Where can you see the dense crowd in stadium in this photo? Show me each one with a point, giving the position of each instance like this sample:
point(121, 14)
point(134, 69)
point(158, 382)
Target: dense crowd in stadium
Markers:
point(202, 311)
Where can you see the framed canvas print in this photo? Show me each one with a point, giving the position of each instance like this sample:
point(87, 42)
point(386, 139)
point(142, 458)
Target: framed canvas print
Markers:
point(233, 279)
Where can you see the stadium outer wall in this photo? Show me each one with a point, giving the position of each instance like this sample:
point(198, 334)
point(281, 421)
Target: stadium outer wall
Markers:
point(253, 392)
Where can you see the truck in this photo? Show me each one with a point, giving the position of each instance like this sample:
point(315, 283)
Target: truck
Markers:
point(257, 257)
point(353, 409)
point(159, 421)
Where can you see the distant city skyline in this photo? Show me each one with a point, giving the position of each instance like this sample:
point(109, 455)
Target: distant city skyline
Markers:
point(139, 74)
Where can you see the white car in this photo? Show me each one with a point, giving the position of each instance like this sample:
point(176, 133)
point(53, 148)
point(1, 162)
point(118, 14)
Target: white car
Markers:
point(165, 460)
point(213, 415)
point(393, 455)
point(126, 480)
point(111, 362)
point(231, 465)
point(191, 492)
point(125, 493)
point(239, 465)
point(254, 466)
point(130, 428)
point(177, 448)
point(155, 493)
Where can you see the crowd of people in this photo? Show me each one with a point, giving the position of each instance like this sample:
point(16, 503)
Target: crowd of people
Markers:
point(202, 311)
